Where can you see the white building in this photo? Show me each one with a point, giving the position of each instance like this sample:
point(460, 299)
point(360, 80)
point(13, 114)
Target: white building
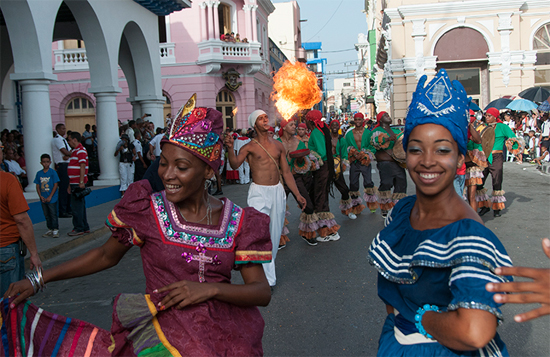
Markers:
point(284, 28)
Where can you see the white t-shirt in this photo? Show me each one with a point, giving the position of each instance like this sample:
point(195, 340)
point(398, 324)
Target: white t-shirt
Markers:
point(546, 128)
point(155, 143)
point(59, 143)
point(137, 145)
point(130, 133)
point(15, 168)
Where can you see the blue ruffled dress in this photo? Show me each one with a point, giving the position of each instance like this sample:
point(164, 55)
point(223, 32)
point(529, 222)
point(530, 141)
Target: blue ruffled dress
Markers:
point(447, 267)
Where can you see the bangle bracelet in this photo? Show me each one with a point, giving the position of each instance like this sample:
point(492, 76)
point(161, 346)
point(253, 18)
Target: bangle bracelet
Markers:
point(418, 318)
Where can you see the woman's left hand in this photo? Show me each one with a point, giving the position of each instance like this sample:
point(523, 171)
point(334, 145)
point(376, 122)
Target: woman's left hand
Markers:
point(184, 293)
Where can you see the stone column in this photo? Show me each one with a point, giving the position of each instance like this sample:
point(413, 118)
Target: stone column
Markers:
point(247, 22)
point(216, 20)
point(419, 34)
point(155, 107)
point(37, 124)
point(5, 122)
point(210, 18)
point(136, 108)
point(107, 138)
point(204, 23)
point(254, 24)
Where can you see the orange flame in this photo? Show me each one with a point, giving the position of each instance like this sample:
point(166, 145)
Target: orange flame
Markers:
point(295, 88)
point(235, 111)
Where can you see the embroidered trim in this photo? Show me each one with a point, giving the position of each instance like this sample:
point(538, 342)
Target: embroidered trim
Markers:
point(177, 232)
point(476, 305)
point(252, 256)
point(113, 222)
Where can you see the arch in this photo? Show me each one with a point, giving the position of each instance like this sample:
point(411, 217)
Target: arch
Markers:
point(540, 42)
point(30, 35)
point(450, 46)
point(486, 37)
point(101, 62)
point(532, 36)
point(79, 118)
point(141, 58)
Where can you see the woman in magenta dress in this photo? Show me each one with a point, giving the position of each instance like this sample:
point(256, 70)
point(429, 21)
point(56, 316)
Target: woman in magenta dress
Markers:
point(189, 243)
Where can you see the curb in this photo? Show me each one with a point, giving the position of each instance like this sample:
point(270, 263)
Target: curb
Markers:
point(66, 246)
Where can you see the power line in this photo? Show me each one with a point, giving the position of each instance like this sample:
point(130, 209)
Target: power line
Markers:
point(326, 23)
point(350, 49)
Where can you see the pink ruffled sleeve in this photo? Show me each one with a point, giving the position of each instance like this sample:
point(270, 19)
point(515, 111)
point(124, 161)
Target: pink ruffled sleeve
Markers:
point(253, 242)
point(132, 217)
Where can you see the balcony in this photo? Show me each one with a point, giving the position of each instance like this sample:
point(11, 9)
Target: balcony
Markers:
point(76, 59)
point(214, 53)
point(71, 60)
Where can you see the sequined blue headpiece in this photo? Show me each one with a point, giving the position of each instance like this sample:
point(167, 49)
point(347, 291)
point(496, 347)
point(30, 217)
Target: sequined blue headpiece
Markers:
point(441, 102)
point(198, 131)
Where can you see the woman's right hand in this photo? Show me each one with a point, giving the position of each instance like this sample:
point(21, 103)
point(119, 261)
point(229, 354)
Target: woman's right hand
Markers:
point(22, 289)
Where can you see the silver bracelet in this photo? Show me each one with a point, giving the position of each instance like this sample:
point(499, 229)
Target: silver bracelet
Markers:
point(37, 279)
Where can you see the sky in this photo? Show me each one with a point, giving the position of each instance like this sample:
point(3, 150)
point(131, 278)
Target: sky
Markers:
point(335, 23)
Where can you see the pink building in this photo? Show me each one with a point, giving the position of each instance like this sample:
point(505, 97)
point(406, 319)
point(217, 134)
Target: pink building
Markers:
point(234, 77)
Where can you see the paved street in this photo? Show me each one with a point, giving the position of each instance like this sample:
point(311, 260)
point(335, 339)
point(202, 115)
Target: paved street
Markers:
point(325, 303)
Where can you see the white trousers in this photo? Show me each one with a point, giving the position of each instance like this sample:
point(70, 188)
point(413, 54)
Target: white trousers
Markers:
point(244, 173)
point(126, 171)
point(270, 200)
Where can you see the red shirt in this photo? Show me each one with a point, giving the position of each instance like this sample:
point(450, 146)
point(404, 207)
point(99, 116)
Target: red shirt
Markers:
point(79, 155)
point(12, 202)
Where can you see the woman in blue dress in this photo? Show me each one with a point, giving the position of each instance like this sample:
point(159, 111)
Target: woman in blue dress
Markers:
point(435, 256)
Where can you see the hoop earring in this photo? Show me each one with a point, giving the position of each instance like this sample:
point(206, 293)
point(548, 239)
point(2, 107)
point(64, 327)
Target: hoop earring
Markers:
point(207, 184)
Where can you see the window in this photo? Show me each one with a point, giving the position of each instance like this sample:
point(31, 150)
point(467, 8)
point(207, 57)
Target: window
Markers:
point(541, 43)
point(468, 77)
point(225, 103)
point(79, 106)
point(224, 18)
point(347, 84)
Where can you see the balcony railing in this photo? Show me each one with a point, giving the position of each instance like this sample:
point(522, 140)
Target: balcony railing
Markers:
point(167, 53)
point(76, 59)
point(73, 59)
point(217, 52)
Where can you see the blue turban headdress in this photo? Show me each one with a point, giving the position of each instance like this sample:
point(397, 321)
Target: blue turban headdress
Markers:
point(441, 102)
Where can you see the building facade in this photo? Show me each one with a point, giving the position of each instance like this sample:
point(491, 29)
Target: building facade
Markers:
point(495, 48)
point(121, 37)
point(285, 29)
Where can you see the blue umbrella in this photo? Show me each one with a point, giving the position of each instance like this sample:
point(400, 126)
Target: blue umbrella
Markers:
point(474, 106)
point(544, 107)
point(499, 103)
point(522, 105)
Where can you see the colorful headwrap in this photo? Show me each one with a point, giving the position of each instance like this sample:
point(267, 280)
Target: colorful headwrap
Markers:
point(285, 122)
point(358, 116)
point(198, 131)
point(493, 111)
point(302, 125)
point(441, 102)
point(315, 116)
point(254, 116)
point(335, 121)
point(378, 118)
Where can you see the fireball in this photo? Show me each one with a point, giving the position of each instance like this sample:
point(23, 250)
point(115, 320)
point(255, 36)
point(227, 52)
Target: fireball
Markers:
point(295, 88)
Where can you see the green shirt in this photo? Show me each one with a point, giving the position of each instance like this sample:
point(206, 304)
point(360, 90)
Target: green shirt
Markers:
point(502, 133)
point(365, 140)
point(342, 148)
point(317, 143)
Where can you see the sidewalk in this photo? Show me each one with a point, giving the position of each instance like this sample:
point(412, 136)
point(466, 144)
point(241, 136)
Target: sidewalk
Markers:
point(49, 247)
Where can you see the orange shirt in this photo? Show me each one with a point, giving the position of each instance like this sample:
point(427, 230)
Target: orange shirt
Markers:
point(12, 202)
